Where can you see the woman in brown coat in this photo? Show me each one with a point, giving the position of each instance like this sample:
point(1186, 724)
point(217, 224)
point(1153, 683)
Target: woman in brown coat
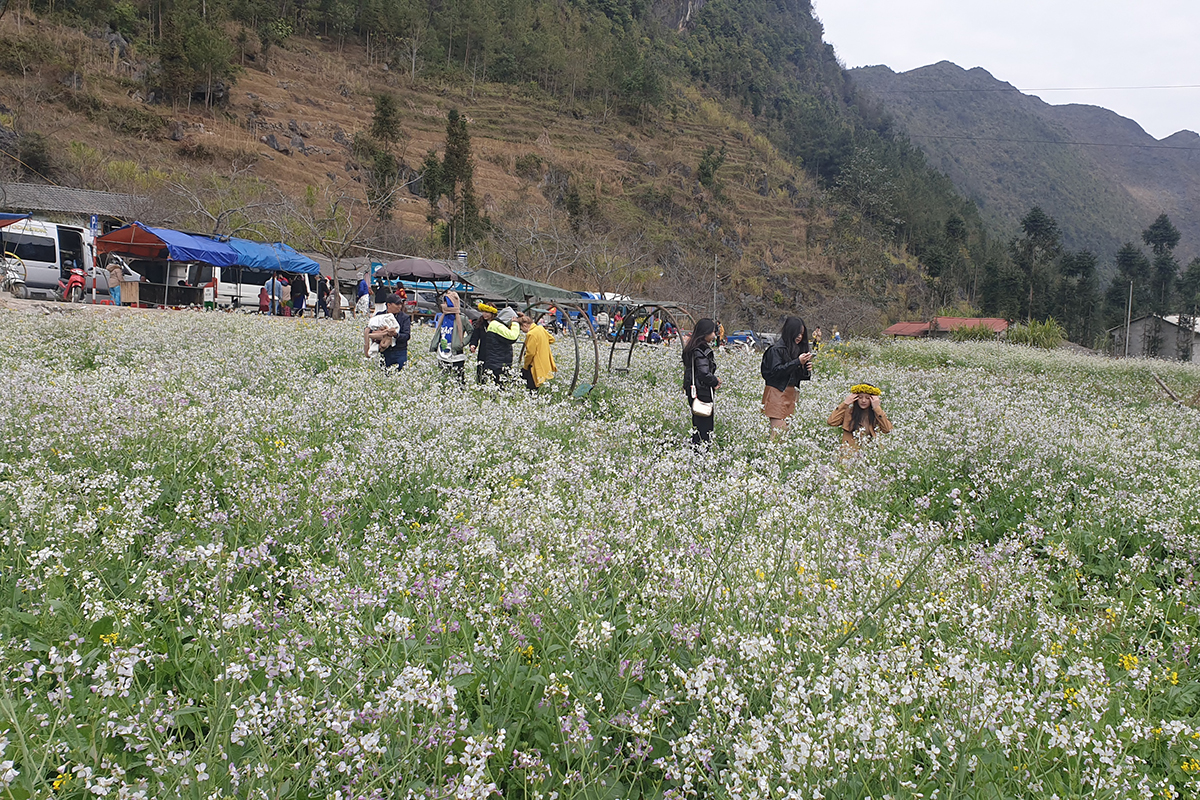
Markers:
point(860, 411)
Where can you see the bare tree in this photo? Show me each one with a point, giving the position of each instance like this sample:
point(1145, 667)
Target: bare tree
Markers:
point(609, 267)
point(539, 243)
point(411, 47)
point(330, 222)
point(230, 204)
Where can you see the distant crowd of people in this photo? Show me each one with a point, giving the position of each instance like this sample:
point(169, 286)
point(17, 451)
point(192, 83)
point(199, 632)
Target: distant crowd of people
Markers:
point(490, 337)
point(490, 333)
point(281, 296)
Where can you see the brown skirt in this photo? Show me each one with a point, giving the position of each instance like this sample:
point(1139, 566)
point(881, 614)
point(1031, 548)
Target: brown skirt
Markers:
point(777, 404)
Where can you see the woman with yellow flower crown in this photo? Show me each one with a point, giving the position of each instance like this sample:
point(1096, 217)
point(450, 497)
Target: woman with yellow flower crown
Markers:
point(860, 415)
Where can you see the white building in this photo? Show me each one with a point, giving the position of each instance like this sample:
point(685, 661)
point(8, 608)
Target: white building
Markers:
point(1157, 337)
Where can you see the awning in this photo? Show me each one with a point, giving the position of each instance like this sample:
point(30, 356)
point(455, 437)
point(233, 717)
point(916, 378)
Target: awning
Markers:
point(272, 257)
point(416, 269)
point(141, 241)
point(510, 287)
point(9, 219)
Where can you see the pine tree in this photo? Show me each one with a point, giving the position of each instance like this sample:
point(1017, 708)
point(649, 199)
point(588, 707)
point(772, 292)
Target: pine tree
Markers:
point(458, 185)
point(1035, 253)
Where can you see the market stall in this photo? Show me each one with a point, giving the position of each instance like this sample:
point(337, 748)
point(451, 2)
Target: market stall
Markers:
point(176, 267)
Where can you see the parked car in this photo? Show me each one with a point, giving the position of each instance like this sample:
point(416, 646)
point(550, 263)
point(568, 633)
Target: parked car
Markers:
point(748, 340)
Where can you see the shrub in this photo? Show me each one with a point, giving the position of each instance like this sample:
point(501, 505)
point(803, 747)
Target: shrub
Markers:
point(529, 167)
point(979, 332)
point(33, 150)
point(133, 121)
point(1047, 335)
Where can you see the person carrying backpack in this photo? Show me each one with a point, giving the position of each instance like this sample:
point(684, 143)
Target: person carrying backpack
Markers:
point(784, 365)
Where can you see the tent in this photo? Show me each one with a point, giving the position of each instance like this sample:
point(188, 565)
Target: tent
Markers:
point(510, 287)
point(142, 241)
point(271, 257)
point(416, 269)
point(9, 219)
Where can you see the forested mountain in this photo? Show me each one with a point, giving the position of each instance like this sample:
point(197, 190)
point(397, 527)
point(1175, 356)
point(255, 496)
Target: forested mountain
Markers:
point(616, 145)
point(1008, 151)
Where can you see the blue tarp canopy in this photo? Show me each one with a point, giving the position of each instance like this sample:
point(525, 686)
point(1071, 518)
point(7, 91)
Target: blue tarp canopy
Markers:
point(272, 257)
point(142, 241)
point(9, 219)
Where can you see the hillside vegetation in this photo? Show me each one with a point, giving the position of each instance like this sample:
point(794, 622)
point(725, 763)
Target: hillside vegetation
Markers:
point(617, 147)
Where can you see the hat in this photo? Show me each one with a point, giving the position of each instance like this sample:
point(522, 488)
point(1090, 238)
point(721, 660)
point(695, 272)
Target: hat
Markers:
point(506, 315)
point(486, 307)
point(394, 298)
point(864, 388)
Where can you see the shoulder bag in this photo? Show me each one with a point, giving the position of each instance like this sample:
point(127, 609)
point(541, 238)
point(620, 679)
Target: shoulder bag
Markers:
point(699, 407)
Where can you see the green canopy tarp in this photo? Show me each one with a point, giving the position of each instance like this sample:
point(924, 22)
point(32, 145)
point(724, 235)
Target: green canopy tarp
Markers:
point(497, 284)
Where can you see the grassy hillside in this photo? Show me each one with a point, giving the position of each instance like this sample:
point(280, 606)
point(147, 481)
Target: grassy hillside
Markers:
point(206, 593)
point(770, 177)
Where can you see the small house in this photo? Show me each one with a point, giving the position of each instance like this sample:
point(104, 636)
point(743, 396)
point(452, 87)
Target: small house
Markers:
point(1152, 336)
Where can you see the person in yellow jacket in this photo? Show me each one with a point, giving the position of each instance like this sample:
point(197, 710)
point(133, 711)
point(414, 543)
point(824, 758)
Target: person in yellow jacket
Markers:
point(538, 365)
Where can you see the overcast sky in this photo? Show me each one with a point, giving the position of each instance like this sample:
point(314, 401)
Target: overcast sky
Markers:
point(1040, 45)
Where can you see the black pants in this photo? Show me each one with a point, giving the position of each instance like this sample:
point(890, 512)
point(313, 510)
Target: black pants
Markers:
point(497, 374)
point(527, 374)
point(702, 426)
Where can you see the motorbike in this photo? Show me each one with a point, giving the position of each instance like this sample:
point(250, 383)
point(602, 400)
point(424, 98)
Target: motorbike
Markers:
point(72, 287)
point(12, 275)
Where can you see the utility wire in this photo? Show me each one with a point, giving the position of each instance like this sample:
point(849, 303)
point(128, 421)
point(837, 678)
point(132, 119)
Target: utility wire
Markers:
point(1024, 91)
point(1193, 149)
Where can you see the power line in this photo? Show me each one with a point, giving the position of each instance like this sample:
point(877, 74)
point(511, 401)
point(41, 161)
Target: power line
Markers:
point(1193, 149)
point(877, 90)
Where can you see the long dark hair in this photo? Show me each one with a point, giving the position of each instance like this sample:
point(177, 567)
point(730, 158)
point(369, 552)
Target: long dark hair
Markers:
point(793, 327)
point(703, 328)
point(862, 417)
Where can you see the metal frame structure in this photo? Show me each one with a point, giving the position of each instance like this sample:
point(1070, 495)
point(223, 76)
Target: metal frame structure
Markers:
point(542, 312)
point(651, 309)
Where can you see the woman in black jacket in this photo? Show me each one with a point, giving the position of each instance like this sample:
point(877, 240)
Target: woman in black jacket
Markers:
point(700, 371)
point(784, 365)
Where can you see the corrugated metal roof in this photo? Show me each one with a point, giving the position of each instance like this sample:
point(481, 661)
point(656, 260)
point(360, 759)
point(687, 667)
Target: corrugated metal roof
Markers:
point(908, 329)
point(38, 197)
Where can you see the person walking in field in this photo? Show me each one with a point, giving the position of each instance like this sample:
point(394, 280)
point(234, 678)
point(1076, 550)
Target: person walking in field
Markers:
point(299, 295)
point(784, 365)
point(860, 415)
point(538, 365)
point(322, 298)
point(362, 295)
point(275, 293)
point(492, 340)
point(700, 380)
point(396, 355)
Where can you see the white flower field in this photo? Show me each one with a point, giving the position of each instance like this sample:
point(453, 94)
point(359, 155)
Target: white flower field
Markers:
point(240, 562)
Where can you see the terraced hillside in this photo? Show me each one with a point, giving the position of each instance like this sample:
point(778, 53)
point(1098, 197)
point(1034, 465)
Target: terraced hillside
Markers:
point(762, 226)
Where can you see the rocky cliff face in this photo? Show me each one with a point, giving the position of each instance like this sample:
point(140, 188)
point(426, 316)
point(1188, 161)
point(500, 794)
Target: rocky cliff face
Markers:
point(1099, 174)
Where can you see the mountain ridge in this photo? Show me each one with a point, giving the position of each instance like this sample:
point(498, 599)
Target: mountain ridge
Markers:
point(1099, 174)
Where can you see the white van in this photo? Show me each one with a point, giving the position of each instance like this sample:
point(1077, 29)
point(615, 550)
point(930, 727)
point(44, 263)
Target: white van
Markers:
point(48, 251)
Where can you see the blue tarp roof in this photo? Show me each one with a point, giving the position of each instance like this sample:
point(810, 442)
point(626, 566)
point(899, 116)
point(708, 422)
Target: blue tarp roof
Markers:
point(270, 257)
point(147, 242)
point(186, 247)
point(8, 219)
